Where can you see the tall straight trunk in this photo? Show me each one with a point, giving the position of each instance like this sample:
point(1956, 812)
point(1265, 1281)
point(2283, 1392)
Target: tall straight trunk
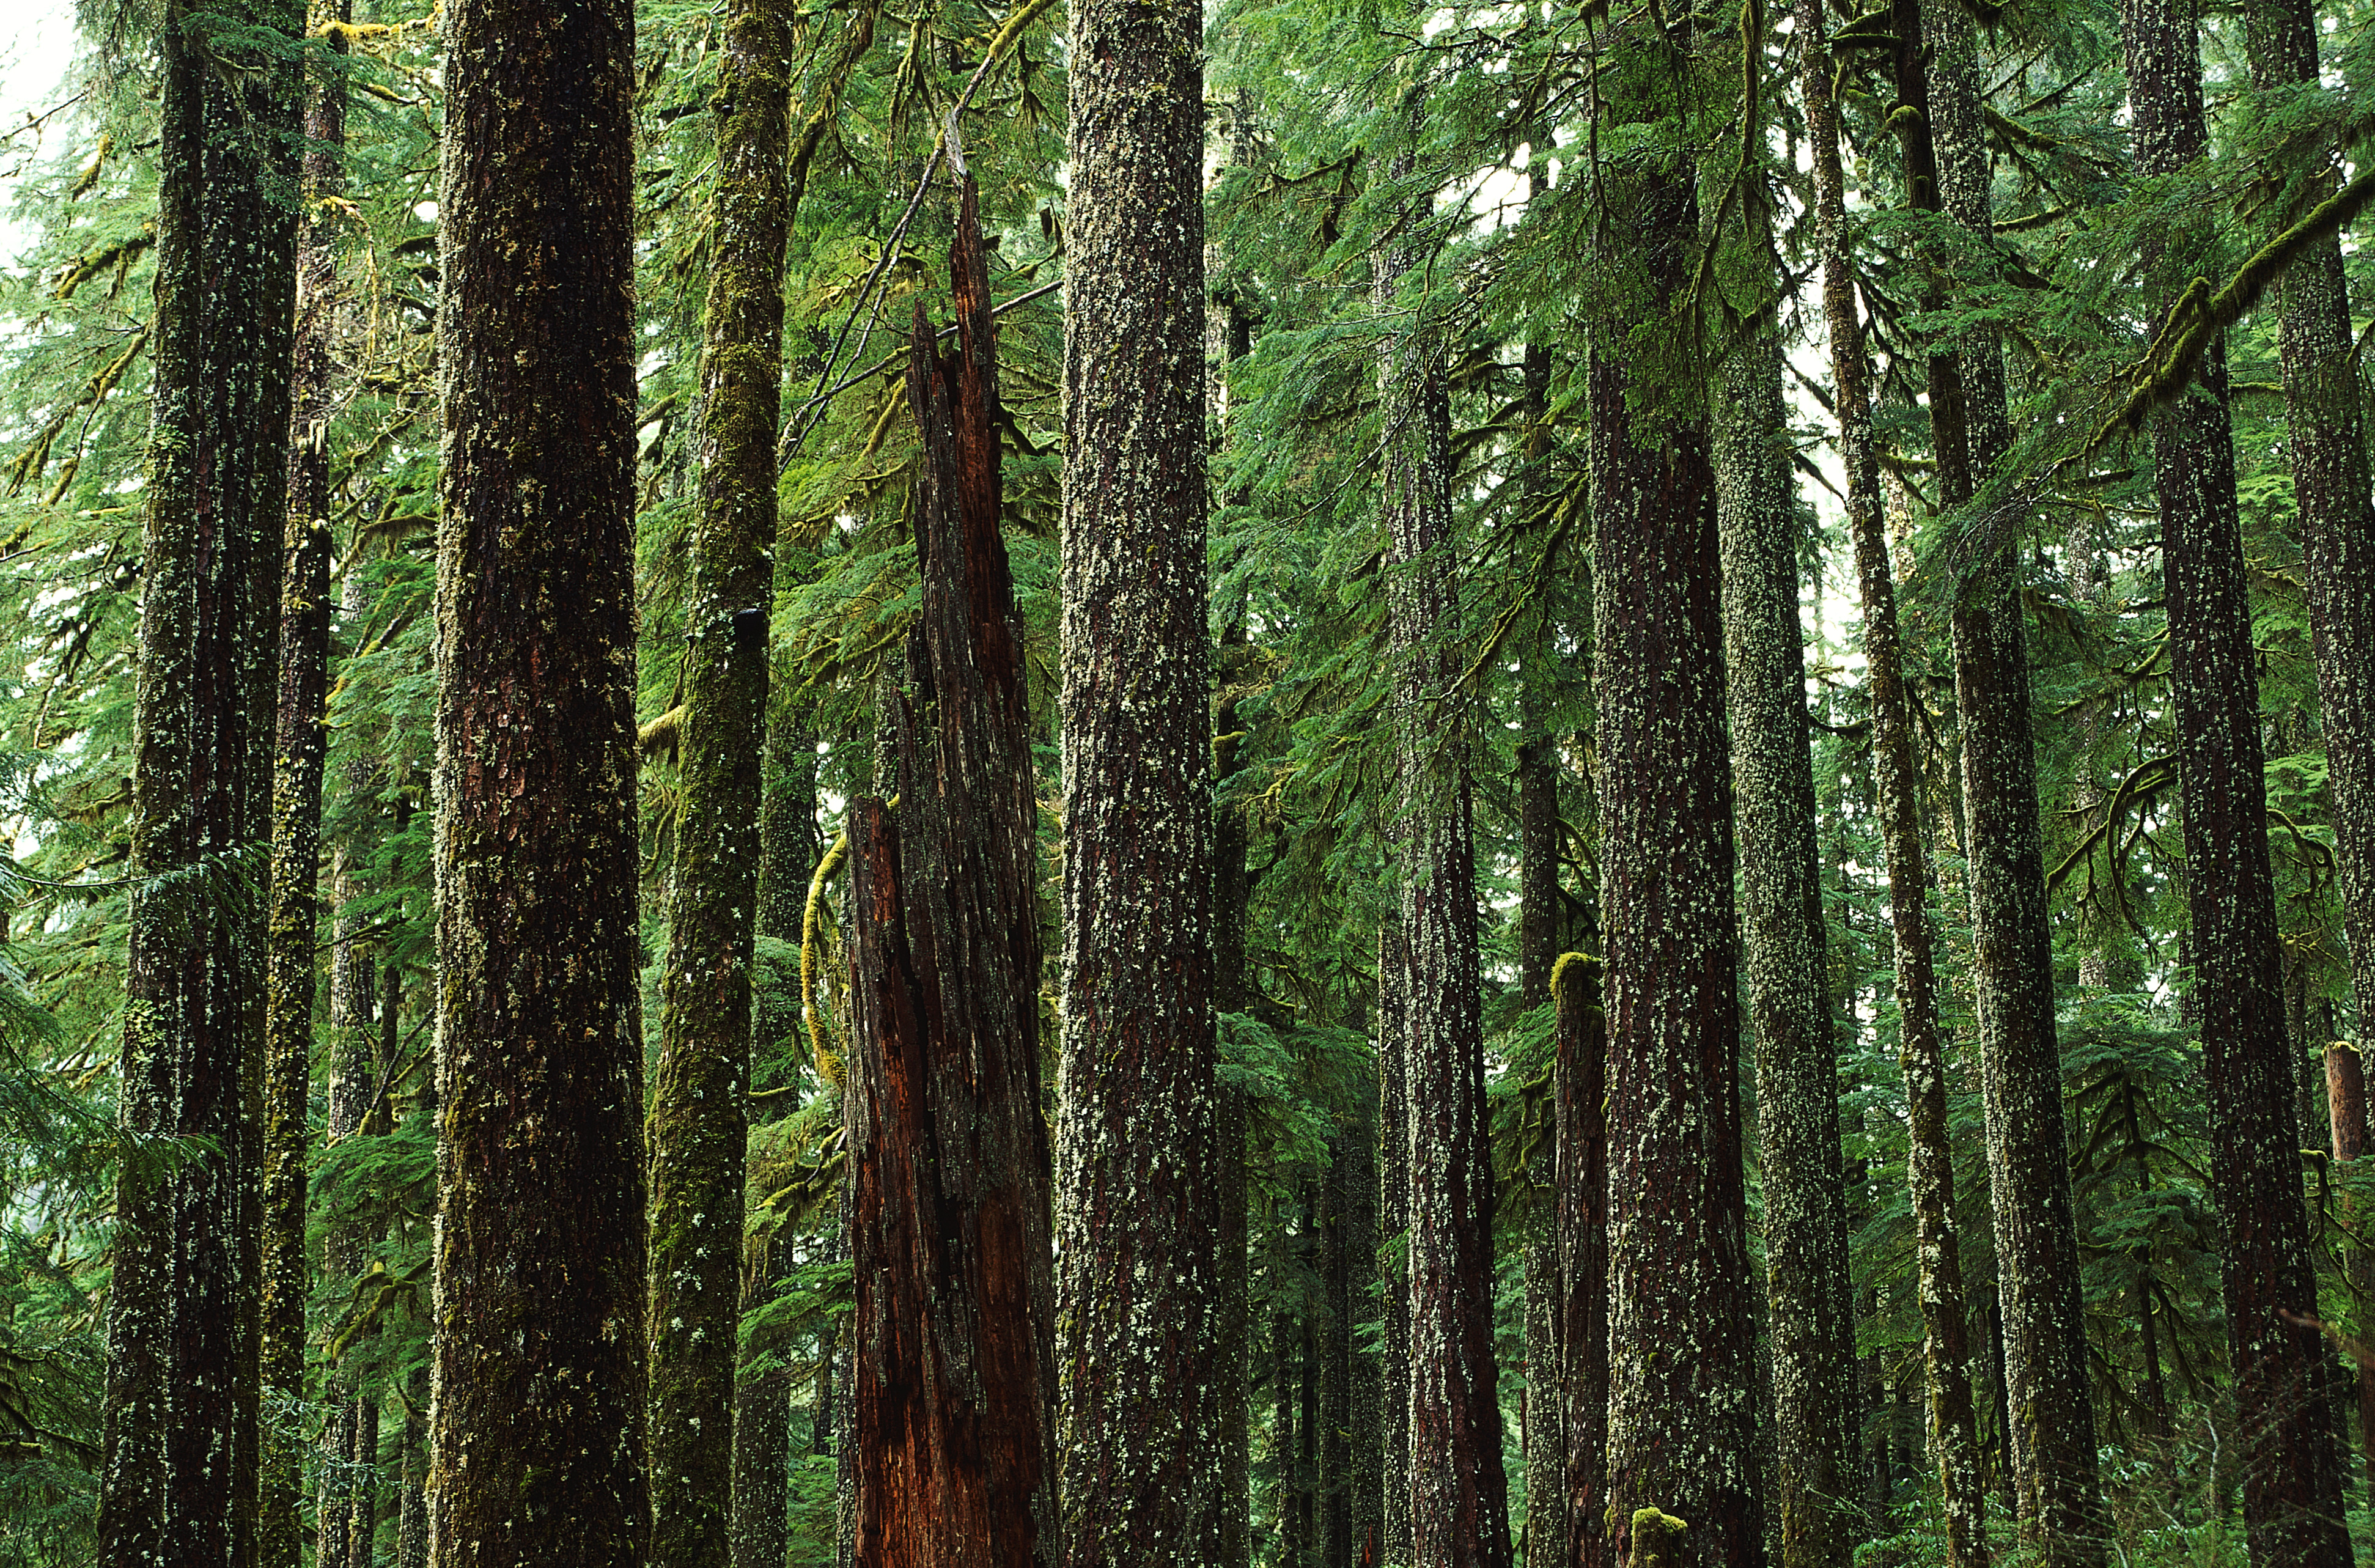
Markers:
point(948, 1212)
point(300, 745)
point(1582, 1081)
point(1459, 1510)
point(1347, 1468)
point(363, 1519)
point(1682, 1418)
point(538, 1451)
point(761, 1532)
point(1306, 1428)
point(179, 1479)
point(2055, 1480)
point(1393, 1226)
point(412, 1507)
point(1930, 1166)
point(2346, 1100)
point(697, 1128)
point(2325, 439)
point(1286, 1385)
point(2292, 1497)
point(1812, 1309)
point(1139, 1221)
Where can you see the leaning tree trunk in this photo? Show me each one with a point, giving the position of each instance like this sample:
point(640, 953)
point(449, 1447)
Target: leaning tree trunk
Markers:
point(698, 1125)
point(1811, 1313)
point(2325, 438)
point(1459, 1510)
point(2053, 1459)
point(949, 1218)
point(1682, 1417)
point(1953, 1425)
point(300, 745)
point(178, 1482)
point(1582, 1083)
point(538, 1440)
point(1393, 1224)
point(2292, 1494)
point(1137, 1164)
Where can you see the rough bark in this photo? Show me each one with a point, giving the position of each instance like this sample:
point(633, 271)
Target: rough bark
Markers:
point(538, 1451)
point(1582, 1092)
point(1811, 1317)
point(2054, 1462)
point(1682, 1418)
point(178, 1478)
point(1139, 1217)
point(300, 745)
point(948, 1212)
point(2292, 1496)
point(761, 1532)
point(698, 1127)
point(1393, 1225)
point(1930, 1170)
point(2325, 439)
point(1459, 1512)
point(2346, 1100)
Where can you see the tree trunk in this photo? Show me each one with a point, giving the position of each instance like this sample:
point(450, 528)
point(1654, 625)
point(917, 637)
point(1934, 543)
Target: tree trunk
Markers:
point(538, 1451)
point(1682, 1418)
point(1812, 1310)
point(299, 744)
point(949, 1218)
point(1393, 1226)
point(763, 1423)
point(1140, 1225)
point(2346, 1099)
point(179, 1481)
point(697, 1128)
point(1582, 1081)
point(1459, 1510)
point(2036, 1244)
point(1232, 992)
point(1954, 1425)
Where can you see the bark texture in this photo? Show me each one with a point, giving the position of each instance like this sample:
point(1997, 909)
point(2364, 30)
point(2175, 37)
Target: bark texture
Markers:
point(2292, 1491)
point(1929, 1169)
point(1582, 1079)
point(1393, 1224)
point(178, 1480)
point(948, 1212)
point(1136, 1156)
point(538, 1451)
point(698, 1127)
point(2345, 1102)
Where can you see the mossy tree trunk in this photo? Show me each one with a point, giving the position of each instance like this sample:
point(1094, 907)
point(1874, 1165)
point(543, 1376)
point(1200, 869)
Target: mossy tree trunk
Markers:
point(2053, 1440)
point(1682, 1416)
point(300, 746)
point(698, 1126)
point(538, 1451)
point(1929, 1171)
point(1581, 1078)
point(1136, 1163)
point(2292, 1496)
point(178, 1478)
point(949, 1208)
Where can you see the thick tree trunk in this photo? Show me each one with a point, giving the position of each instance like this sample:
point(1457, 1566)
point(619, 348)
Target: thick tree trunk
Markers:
point(2292, 1499)
point(1459, 1512)
point(948, 1215)
point(179, 1479)
point(538, 1448)
point(697, 1128)
point(299, 744)
point(1582, 1081)
point(2037, 1245)
point(1393, 1225)
point(1954, 1425)
point(1140, 1224)
point(1811, 1317)
point(1682, 1418)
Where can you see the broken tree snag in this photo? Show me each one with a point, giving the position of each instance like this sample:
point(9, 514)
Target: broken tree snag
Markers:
point(949, 1215)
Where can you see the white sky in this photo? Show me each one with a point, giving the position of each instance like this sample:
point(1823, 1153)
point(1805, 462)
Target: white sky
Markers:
point(36, 50)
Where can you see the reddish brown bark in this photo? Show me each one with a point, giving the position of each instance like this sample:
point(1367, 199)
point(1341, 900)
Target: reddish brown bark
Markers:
point(949, 1213)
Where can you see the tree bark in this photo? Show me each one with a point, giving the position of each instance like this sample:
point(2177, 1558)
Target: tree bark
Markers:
point(1393, 1224)
point(1929, 1169)
point(538, 1451)
point(948, 1215)
point(179, 1479)
point(2037, 1245)
point(1582, 1081)
point(1138, 1223)
point(2346, 1100)
point(1682, 1423)
point(698, 1126)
